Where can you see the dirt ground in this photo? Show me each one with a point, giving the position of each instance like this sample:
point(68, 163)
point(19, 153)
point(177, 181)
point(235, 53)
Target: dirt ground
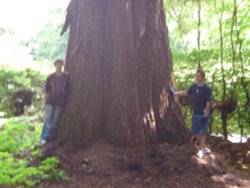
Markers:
point(164, 165)
point(235, 154)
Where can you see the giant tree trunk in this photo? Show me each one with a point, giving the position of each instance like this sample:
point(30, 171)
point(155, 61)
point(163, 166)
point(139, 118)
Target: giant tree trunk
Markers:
point(120, 65)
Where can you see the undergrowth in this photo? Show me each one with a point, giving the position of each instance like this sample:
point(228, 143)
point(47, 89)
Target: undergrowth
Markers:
point(21, 162)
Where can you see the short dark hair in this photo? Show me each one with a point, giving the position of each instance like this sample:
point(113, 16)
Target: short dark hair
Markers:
point(201, 72)
point(58, 61)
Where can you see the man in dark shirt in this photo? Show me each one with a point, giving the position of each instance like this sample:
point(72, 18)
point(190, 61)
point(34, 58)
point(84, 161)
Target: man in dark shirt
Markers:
point(202, 97)
point(57, 88)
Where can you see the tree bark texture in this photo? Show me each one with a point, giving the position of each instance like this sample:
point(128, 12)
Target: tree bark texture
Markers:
point(120, 66)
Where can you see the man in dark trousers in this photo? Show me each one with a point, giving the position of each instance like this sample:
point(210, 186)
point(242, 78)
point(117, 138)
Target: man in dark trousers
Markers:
point(202, 97)
point(57, 88)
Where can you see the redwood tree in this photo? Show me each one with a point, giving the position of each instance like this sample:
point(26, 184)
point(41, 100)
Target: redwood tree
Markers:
point(120, 66)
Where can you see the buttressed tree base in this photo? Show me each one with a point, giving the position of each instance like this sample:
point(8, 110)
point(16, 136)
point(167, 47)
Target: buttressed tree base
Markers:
point(120, 66)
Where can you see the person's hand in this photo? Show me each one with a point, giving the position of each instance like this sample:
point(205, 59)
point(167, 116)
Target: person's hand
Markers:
point(44, 100)
point(204, 120)
point(171, 91)
point(206, 113)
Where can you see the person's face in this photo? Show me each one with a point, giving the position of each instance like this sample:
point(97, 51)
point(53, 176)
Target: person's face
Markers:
point(199, 78)
point(59, 66)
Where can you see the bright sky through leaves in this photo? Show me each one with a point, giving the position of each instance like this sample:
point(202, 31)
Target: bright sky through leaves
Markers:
point(21, 20)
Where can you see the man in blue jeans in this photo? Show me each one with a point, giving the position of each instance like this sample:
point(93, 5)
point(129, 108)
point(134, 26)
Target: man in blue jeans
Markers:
point(202, 97)
point(57, 88)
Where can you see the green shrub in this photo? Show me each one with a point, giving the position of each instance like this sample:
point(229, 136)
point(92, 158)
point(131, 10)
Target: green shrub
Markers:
point(18, 150)
point(12, 81)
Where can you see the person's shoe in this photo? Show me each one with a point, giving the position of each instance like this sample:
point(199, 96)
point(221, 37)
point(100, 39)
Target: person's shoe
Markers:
point(43, 142)
point(200, 153)
point(206, 150)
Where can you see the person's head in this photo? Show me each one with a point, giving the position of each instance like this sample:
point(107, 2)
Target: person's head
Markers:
point(200, 76)
point(58, 64)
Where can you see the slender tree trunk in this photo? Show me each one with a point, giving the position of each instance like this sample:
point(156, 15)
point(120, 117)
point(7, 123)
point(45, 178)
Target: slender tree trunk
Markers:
point(234, 18)
point(223, 112)
point(224, 123)
point(199, 33)
point(243, 82)
point(177, 15)
point(222, 50)
point(210, 124)
point(241, 129)
point(120, 65)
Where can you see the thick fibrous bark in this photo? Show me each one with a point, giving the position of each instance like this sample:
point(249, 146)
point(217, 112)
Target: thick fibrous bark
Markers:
point(120, 65)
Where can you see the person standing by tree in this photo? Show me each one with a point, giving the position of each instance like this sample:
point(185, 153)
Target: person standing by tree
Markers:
point(202, 97)
point(57, 89)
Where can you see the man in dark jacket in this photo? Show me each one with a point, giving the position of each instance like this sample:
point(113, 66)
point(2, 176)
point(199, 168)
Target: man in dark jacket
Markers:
point(57, 88)
point(202, 97)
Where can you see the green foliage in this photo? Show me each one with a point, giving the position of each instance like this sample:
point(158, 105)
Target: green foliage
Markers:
point(48, 44)
point(19, 149)
point(12, 81)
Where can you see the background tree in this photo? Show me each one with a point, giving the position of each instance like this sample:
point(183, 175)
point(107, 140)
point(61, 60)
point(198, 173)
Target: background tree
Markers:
point(120, 65)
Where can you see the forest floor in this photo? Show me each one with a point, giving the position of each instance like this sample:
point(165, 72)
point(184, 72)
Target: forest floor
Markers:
point(103, 165)
point(154, 166)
